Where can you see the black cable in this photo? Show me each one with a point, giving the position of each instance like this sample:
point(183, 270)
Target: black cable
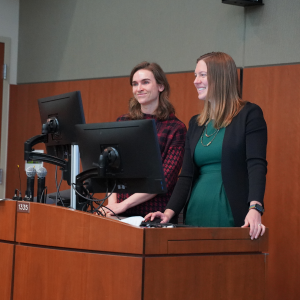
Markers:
point(58, 196)
point(95, 200)
point(20, 193)
point(57, 188)
point(44, 194)
point(101, 203)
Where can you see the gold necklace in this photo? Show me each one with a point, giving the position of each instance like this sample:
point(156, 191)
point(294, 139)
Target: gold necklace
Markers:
point(209, 135)
point(205, 131)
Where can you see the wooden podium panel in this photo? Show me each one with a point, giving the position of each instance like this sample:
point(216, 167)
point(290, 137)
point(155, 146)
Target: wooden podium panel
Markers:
point(59, 254)
point(50, 274)
point(6, 270)
point(208, 277)
point(202, 240)
point(54, 226)
point(7, 220)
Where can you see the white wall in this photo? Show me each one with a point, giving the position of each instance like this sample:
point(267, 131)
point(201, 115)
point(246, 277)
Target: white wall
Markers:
point(79, 39)
point(273, 33)
point(9, 28)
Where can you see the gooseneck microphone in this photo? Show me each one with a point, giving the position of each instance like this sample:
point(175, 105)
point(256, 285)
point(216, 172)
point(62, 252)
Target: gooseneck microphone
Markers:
point(41, 174)
point(30, 172)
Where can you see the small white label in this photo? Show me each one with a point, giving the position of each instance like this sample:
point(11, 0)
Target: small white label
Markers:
point(23, 207)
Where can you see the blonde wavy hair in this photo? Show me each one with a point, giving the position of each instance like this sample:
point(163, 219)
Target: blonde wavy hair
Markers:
point(223, 90)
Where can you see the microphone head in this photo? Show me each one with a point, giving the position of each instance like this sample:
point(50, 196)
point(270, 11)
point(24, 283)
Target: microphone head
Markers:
point(41, 172)
point(30, 172)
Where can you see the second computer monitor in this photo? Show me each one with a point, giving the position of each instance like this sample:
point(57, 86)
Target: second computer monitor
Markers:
point(126, 153)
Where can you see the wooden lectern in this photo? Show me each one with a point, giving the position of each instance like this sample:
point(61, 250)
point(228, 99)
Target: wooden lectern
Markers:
point(54, 253)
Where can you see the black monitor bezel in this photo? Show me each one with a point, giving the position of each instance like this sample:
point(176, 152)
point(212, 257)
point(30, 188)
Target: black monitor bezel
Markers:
point(68, 109)
point(141, 169)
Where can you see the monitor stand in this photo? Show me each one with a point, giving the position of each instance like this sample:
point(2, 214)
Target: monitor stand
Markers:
point(75, 165)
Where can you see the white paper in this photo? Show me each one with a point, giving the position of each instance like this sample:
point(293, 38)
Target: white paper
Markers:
point(135, 221)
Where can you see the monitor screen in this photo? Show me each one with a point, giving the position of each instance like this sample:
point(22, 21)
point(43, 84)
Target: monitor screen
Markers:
point(126, 153)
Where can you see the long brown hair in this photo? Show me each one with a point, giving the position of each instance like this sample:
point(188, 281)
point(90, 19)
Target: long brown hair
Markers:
point(223, 90)
point(165, 107)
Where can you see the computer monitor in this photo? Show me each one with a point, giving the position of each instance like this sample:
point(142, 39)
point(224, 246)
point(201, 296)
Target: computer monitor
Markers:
point(67, 109)
point(126, 153)
point(59, 115)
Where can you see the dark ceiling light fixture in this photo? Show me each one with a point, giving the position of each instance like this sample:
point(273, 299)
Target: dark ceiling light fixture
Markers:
point(243, 2)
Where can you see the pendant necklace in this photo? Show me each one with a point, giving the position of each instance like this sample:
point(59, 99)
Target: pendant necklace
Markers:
point(214, 134)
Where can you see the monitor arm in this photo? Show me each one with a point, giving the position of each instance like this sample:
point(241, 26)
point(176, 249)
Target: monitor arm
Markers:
point(29, 155)
point(81, 177)
point(108, 158)
point(51, 126)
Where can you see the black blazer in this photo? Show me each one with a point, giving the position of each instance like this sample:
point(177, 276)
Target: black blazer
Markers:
point(244, 164)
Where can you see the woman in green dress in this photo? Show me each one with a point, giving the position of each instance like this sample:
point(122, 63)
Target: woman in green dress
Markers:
point(223, 176)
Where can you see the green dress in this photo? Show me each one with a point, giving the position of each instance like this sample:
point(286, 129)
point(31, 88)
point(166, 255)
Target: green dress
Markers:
point(208, 205)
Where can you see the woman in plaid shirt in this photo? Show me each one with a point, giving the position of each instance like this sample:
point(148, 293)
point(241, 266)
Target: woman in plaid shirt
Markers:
point(151, 91)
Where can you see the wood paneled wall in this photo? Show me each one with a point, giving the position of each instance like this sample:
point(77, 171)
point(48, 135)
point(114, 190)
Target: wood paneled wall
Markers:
point(103, 101)
point(275, 89)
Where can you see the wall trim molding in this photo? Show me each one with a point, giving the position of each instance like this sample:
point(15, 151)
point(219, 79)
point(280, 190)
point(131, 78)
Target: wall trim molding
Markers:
point(5, 114)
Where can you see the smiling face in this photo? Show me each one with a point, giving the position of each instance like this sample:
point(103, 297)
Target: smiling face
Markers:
point(200, 81)
point(146, 90)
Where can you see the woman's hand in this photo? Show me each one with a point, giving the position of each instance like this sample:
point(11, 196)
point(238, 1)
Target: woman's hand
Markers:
point(165, 217)
point(112, 201)
point(253, 219)
point(117, 208)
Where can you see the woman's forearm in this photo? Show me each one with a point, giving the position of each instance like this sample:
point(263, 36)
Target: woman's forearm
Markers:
point(137, 199)
point(112, 198)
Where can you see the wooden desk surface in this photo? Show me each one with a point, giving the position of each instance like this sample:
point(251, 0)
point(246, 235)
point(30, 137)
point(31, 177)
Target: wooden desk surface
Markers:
point(61, 227)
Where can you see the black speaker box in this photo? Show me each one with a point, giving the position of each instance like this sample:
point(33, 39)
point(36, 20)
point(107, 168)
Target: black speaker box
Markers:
point(243, 2)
